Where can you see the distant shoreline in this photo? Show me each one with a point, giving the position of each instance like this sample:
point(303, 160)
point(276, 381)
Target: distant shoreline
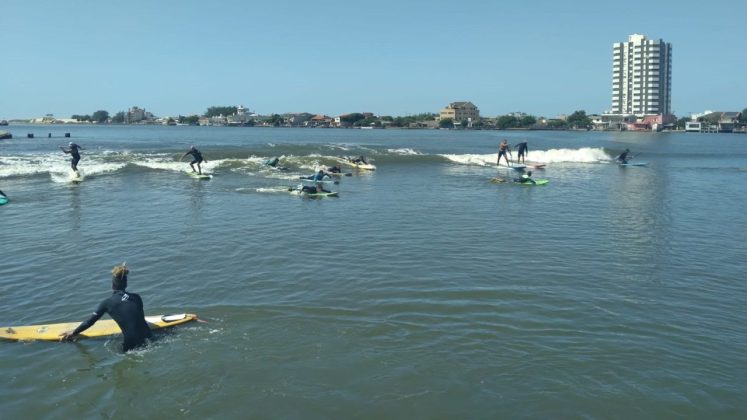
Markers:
point(12, 123)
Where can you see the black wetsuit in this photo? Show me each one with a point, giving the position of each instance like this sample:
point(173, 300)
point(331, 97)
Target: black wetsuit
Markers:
point(75, 154)
point(196, 154)
point(522, 149)
point(334, 170)
point(525, 179)
point(126, 309)
point(623, 158)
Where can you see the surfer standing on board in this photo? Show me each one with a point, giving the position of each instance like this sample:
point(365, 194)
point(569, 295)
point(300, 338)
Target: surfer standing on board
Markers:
point(523, 150)
point(125, 308)
point(503, 150)
point(72, 149)
point(623, 158)
point(197, 158)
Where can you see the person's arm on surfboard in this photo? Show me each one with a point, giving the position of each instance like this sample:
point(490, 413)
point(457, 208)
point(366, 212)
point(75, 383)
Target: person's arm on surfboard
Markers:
point(69, 335)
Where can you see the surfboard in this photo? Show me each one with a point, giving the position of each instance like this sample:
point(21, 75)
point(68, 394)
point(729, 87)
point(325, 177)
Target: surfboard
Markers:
point(340, 173)
point(102, 328)
point(314, 195)
point(3, 200)
point(633, 164)
point(76, 178)
point(536, 165)
point(195, 175)
point(366, 166)
point(536, 182)
point(326, 181)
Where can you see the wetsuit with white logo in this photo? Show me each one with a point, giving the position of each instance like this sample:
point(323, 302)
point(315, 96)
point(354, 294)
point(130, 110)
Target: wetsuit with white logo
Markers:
point(126, 309)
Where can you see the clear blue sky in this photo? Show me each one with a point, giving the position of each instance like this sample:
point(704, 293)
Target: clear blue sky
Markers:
point(328, 56)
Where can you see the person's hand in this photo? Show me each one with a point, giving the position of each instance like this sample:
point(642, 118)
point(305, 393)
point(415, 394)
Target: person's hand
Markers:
point(67, 336)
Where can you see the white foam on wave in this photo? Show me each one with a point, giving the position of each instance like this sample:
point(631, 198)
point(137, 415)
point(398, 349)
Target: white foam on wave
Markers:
point(272, 190)
point(404, 151)
point(582, 155)
point(481, 160)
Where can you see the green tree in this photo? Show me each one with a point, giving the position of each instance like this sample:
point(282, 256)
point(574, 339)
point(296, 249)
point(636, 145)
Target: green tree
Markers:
point(425, 116)
point(556, 124)
point(579, 120)
point(276, 120)
point(118, 118)
point(743, 118)
point(713, 118)
point(191, 120)
point(351, 119)
point(81, 117)
point(527, 121)
point(368, 122)
point(506, 121)
point(446, 123)
point(100, 116)
point(682, 122)
point(215, 111)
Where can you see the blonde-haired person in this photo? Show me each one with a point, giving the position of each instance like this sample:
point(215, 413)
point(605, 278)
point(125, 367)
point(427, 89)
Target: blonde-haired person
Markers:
point(125, 308)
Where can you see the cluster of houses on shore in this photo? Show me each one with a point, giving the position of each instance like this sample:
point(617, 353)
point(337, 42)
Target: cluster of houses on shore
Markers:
point(705, 122)
point(461, 114)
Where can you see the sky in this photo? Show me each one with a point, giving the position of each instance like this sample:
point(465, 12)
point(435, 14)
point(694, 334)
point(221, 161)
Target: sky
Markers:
point(389, 57)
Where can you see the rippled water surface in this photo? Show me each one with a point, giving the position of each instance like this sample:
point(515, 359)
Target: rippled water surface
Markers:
point(423, 291)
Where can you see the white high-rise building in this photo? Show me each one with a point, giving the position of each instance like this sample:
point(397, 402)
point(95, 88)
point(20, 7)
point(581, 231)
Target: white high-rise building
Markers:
point(642, 76)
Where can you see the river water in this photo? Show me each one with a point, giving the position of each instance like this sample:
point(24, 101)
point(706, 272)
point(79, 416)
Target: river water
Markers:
point(423, 291)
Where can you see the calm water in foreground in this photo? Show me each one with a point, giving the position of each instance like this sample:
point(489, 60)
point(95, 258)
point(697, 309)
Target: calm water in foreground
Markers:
point(423, 291)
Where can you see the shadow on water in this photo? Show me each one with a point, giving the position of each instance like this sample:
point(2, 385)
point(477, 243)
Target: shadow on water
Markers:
point(196, 199)
point(639, 210)
point(75, 208)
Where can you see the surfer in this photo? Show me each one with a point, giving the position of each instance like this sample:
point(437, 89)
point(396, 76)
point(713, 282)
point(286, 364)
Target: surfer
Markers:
point(359, 160)
point(337, 169)
point(3, 194)
point(273, 162)
point(72, 150)
point(197, 158)
point(124, 307)
point(523, 150)
point(623, 158)
point(312, 189)
point(318, 176)
point(503, 150)
point(525, 179)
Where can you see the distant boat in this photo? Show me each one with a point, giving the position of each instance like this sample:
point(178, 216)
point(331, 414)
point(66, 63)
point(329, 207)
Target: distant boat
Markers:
point(5, 135)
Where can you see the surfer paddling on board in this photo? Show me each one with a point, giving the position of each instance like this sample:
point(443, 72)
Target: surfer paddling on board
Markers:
point(522, 150)
point(125, 308)
point(503, 150)
point(359, 160)
point(72, 150)
point(525, 179)
point(196, 158)
point(319, 176)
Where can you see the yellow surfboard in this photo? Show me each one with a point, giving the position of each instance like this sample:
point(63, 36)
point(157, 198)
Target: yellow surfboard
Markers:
point(102, 328)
